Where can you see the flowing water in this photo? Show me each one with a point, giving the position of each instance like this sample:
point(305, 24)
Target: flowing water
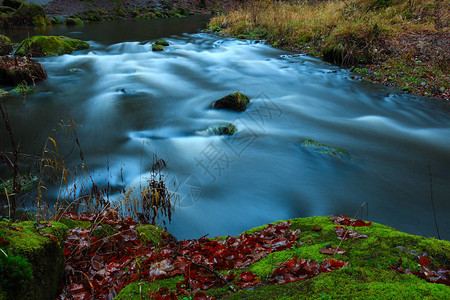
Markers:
point(131, 102)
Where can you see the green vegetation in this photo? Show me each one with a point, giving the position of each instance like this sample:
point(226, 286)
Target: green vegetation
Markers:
point(152, 234)
point(25, 182)
point(74, 21)
point(38, 46)
point(144, 290)
point(395, 41)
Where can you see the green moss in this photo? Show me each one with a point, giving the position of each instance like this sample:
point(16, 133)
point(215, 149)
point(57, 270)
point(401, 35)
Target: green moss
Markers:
point(27, 181)
point(225, 129)
point(45, 256)
point(162, 43)
point(325, 149)
point(30, 14)
point(157, 47)
point(143, 289)
point(15, 273)
point(49, 46)
point(152, 234)
point(71, 224)
point(6, 47)
point(74, 21)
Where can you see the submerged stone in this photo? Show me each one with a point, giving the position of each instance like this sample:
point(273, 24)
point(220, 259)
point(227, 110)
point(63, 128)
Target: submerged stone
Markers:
point(318, 147)
point(38, 46)
point(236, 101)
point(74, 21)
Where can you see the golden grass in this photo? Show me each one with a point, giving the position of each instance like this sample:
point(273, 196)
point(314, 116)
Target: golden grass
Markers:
point(289, 22)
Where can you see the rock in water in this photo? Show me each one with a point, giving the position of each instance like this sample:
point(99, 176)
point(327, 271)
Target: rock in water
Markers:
point(236, 101)
point(37, 46)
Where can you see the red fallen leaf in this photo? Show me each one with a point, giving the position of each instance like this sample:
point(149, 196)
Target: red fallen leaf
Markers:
point(39, 225)
point(317, 228)
point(51, 236)
point(344, 220)
point(171, 296)
point(247, 279)
point(347, 234)
point(332, 251)
point(425, 261)
point(3, 242)
point(328, 265)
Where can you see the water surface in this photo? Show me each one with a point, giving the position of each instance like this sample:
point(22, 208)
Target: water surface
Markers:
point(131, 102)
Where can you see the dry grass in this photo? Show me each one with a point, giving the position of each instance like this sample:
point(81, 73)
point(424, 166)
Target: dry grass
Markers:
point(351, 32)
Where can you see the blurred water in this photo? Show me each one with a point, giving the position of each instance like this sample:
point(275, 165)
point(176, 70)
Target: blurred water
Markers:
point(131, 102)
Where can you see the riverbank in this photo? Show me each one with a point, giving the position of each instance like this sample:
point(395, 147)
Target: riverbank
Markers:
point(396, 43)
point(327, 257)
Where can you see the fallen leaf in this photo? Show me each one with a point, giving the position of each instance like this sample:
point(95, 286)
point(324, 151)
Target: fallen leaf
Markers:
point(332, 251)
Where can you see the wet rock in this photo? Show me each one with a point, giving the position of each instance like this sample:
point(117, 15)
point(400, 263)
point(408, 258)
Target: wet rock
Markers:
point(162, 43)
point(156, 47)
point(236, 101)
point(315, 146)
point(29, 15)
point(74, 21)
point(6, 47)
point(38, 46)
point(224, 129)
point(15, 70)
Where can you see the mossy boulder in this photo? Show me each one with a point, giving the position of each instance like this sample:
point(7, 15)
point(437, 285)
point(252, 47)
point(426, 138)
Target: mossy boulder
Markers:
point(38, 46)
point(29, 15)
point(74, 21)
point(162, 43)
point(6, 47)
point(16, 70)
point(156, 47)
point(318, 147)
point(236, 101)
point(44, 254)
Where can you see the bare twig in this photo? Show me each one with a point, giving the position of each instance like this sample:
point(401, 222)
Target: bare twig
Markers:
point(432, 200)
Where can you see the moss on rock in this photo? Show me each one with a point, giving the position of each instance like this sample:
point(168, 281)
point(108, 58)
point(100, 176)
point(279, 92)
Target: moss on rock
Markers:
point(38, 46)
point(45, 256)
point(74, 21)
point(156, 47)
point(224, 129)
point(162, 43)
point(318, 147)
point(29, 15)
point(6, 47)
point(152, 234)
point(236, 101)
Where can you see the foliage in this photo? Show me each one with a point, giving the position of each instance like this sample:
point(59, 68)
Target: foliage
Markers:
point(15, 273)
point(16, 70)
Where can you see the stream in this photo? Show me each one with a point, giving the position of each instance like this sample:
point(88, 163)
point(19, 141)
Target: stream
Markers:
point(130, 103)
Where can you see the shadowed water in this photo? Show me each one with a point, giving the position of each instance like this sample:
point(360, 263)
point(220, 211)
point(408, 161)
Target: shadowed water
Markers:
point(131, 102)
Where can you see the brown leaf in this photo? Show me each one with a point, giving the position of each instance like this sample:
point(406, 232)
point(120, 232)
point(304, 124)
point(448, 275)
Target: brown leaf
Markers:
point(347, 234)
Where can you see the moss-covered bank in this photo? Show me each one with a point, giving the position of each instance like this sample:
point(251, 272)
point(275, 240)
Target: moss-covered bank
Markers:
point(397, 42)
point(24, 248)
point(367, 276)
